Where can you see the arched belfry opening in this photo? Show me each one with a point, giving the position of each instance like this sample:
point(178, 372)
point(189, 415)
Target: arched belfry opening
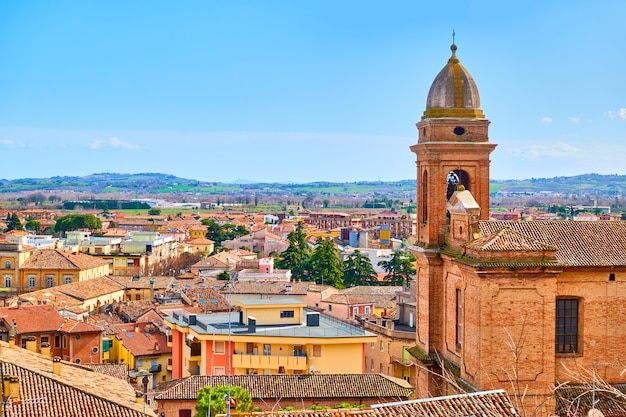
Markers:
point(454, 179)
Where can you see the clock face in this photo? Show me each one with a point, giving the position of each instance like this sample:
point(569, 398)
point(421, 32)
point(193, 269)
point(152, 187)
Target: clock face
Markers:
point(459, 130)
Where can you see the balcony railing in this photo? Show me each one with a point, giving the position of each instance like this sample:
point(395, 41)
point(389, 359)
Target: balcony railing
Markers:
point(288, 363)
point(156, 368)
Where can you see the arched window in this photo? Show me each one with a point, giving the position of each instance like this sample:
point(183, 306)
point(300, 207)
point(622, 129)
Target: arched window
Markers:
point(7, 264)
point(424, 197)
point(7, 281)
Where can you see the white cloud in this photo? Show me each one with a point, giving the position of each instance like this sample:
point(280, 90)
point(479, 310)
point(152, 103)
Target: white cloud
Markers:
point(112, 143)
point(6, 142)
point(554, 150)
point(574, 119)
point(620, 114)
point(546, 120)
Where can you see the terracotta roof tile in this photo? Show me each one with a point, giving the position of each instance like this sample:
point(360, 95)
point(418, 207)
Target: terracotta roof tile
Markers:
point(33, 319)
point(140, 341)
point(76, 391)
point(62, 259)
point(599, 243)
point(90, 288)
point(298, 386)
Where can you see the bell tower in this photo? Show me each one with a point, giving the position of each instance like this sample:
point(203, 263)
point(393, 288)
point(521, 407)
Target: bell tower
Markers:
point(452, 149)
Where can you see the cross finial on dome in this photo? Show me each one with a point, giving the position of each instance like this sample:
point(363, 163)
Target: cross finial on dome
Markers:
point(453, 47)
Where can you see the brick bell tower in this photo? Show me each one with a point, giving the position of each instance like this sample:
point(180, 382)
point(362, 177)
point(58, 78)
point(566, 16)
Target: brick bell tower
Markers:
point(452, 149)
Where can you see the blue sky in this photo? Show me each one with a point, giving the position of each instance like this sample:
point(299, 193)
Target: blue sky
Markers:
point(302, 91)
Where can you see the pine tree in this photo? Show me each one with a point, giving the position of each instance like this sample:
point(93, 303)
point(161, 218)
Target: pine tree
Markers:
point(326, 267)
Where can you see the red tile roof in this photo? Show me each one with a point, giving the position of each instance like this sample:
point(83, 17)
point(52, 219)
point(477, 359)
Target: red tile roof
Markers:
point(140, 341)
point(599, 243)
point(32, 319)
point(62, 259)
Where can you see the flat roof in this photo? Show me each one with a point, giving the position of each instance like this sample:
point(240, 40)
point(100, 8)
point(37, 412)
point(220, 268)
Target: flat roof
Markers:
point(225, 323)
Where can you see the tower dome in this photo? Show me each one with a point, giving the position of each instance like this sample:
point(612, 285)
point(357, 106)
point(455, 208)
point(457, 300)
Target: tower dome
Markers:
point(453, 93)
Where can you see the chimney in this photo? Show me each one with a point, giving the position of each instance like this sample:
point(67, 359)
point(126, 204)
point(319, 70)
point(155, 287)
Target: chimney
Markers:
point(45, 349)
point(31, 343)
point(251, 324)
point(56, 365)
point(12, 335)
point(11, 387)
point(139, 397)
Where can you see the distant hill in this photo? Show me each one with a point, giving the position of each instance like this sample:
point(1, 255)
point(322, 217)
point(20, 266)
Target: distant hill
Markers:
point(163, 184)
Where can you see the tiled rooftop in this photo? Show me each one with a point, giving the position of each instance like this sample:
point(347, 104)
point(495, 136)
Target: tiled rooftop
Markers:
point(61, 259)
point(298, 386)
point(33, 319)
point(90, 288)
point(142, 339)
point(600, 243)
point(76, 391)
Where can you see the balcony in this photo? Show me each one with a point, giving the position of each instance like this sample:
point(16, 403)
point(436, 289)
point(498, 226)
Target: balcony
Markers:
point(156, 368)
point(288, 363)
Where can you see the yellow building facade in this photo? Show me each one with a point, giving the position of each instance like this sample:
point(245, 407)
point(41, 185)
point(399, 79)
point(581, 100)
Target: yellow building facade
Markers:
point(266, 336)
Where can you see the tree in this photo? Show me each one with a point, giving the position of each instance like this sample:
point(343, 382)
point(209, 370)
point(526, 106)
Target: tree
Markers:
point(399, 268)
point(326, 267)
point(77, 221)
point(13, 222)
point(34, 225)
point(358, 270)
point(154, 211)
point(212, 400)
point(296, 257)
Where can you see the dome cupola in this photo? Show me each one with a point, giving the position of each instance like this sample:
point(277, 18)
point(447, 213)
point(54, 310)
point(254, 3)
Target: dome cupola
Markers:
point(453, 93)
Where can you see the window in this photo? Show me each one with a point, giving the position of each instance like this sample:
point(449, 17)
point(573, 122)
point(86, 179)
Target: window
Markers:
point(139, 362)
point(7, 264)
point(330, 307)
point(459, 317)
point(372, 365)
point(219, 347)
point(67, 279)
point(382, 346)
point(355, 310)
point(44, 339)
point(566, 329)
point(372, 345)
point(7, 281)
point(185, 412)
point(49, 281)
point(380, 369)
point(367, 309)
point(267, 350)
point(31, 281)
point(57, 341)
point(286, 314)
point(219, 370)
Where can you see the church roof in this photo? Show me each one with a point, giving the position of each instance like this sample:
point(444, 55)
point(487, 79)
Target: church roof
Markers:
point(599, 243)
point(507, 239)
point(453, 93)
